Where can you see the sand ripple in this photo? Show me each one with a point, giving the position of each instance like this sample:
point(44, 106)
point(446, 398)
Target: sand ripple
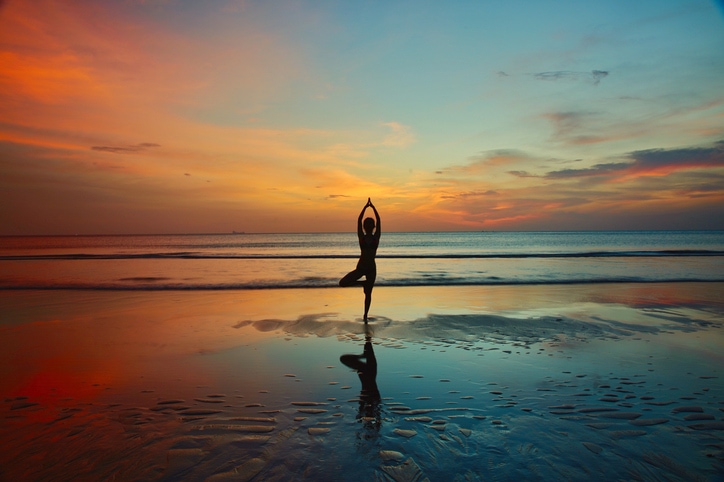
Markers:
point(687, 409)
point(648, 421)
point(708, 426)
point(596, 449)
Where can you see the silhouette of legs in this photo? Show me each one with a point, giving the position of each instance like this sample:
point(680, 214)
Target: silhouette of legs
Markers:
point(353, 279)
point(367, 286)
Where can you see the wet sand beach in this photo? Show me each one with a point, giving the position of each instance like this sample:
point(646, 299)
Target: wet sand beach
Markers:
point(543, 382)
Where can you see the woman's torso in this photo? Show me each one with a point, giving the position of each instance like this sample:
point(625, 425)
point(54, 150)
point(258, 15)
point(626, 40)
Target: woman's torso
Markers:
point(368, 250)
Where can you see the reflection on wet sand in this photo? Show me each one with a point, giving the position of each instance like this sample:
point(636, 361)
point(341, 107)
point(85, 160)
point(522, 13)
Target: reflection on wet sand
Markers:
point(370, 401)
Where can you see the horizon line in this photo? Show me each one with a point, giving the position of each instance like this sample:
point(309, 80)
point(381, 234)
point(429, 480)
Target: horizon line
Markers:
point(248, 233)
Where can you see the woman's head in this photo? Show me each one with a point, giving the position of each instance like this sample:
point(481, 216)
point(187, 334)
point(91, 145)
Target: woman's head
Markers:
point(369, 225)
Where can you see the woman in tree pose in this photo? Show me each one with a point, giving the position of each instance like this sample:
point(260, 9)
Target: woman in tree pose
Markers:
point(369, 239)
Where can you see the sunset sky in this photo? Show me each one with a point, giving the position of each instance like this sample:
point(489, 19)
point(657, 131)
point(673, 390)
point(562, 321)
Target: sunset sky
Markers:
point(181, 116)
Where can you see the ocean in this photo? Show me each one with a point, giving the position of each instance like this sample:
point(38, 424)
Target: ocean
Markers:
point(273, 261)
point(490, 356)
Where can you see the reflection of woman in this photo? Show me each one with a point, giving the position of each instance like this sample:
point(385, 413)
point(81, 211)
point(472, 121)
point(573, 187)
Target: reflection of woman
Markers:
point(369, 397)
point(369, 240)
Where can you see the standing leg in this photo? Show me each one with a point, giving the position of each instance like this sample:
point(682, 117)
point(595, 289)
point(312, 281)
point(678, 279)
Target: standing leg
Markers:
point(367, 286)
point(368, 298)
point(353, 279)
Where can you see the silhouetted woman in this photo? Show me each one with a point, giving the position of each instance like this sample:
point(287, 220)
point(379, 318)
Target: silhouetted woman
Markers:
point(369, 240)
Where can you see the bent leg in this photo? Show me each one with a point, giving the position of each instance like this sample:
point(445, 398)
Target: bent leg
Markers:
point(353, 361)
point(351, 278)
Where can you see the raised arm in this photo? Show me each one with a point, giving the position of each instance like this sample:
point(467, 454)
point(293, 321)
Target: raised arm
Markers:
point(377, 216)
point(360, 231)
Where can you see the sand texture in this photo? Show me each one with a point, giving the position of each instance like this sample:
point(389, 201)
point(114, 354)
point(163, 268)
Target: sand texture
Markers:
point(195, 388)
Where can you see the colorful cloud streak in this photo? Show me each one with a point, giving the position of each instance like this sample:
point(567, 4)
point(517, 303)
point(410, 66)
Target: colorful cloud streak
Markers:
point(178, 116)
point(610, 194)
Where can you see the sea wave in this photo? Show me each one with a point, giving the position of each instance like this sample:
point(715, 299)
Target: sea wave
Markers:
point(160, 284)
point(192, 255)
